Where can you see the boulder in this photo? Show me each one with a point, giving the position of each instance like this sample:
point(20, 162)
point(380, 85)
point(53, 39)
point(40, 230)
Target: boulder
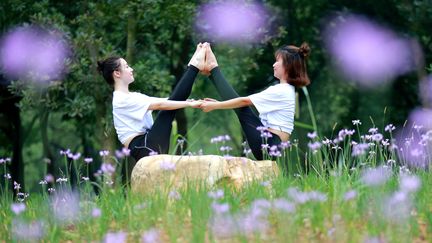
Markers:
point(166, 171)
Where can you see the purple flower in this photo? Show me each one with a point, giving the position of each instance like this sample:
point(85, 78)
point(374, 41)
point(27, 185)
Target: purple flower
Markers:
point(96, 212)
point(18, 208)
point(367, 52)
point(16, 186)
point(360, 149)
point(88, 160)
point(375, 176)
point(174, 195)
point(104, 153)
point(223, 226)
point(33, 53)
point(389, 128)
point(220, 208)
point(65, 206)
point(22, 231)
point(7, 176)
point(312, 135)
point(284, 206)
point(265, 146)
point(167, 166)
point(314, 146)
point(349, 195)
point(126, 151)
point(422, 118)
point(216, 194)
point(153, 153)
point(233, 21)
point(118, 237)
point(107, 168)
point(49, 178)
point(285, 145)
point(151, 236)
point(409, 183)
point(377, 137)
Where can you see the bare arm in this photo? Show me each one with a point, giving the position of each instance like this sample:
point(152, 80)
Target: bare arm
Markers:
point(173, 104)
point(228, 104)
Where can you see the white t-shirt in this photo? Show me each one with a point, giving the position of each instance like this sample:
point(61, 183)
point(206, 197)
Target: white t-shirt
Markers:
point(276, 106)
point(131, 114)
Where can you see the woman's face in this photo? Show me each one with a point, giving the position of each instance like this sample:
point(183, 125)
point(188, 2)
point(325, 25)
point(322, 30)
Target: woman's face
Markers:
point(125, 72)
point(279, 69)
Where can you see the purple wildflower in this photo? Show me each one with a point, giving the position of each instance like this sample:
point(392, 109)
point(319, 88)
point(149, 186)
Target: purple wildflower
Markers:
point(118, 237)
point(367, 52)
point(216, 194)
point(284, 206)
point(233, 21)
point(349, 195)
point(167, 166)
point(375, 176)
point(96, 212)
point(104, 153)
point(88, 160)
point(312, 135)
point(65, 206)
point(409, 183)
point(175, 195)
point(360, 149)
point(220, 208)
point(18, 208)
point(314, 146)
point(389, 128)
point(107, 168)
point(22, 231)
point(151, 236)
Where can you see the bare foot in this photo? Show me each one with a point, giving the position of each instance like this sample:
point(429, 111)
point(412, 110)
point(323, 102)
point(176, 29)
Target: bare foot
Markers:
point(210, 61)
point(198, 58)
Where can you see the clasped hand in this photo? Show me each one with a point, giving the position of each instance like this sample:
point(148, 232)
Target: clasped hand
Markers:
point(206, 104)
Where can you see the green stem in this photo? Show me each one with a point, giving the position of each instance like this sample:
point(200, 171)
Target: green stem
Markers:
point(309, 103)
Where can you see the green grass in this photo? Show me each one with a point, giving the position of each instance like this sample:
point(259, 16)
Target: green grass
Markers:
point(189, 218)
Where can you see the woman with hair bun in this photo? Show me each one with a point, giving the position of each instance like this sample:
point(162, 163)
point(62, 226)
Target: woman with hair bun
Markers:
point(276, 104)
point(132, 111)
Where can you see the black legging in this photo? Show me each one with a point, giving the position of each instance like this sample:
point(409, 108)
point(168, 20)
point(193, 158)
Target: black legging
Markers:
point(248, 119)
point(157, 139)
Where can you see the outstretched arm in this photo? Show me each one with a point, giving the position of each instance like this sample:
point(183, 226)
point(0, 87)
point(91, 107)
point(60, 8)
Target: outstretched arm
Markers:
point(173, 104)
point(227, 104)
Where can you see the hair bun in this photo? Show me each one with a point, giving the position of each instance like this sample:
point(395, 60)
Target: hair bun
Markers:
point(304, 49)
point(100, 66)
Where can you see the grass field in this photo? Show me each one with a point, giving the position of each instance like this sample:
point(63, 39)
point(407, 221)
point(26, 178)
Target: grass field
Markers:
point(336, 191)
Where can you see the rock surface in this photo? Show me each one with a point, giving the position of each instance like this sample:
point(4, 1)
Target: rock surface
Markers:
point(168, 171)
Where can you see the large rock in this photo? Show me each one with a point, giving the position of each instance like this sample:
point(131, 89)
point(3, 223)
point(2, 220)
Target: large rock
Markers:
point(166, 171)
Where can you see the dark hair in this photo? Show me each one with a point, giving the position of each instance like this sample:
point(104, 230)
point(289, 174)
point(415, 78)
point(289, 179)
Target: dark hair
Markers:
point(294, 62)
point(107, 67)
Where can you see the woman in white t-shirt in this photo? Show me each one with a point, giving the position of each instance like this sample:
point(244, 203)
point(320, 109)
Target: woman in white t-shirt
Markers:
point(275, 105)
point(132, 111)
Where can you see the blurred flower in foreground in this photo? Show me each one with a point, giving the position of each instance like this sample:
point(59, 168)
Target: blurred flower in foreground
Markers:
point(118, 237)
point(65, 206)
point(376, 176)
point(415, 144)
point(367, 52)
point(33, 53)
point(151, 236)
point(233, 21)
point(33, 231)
